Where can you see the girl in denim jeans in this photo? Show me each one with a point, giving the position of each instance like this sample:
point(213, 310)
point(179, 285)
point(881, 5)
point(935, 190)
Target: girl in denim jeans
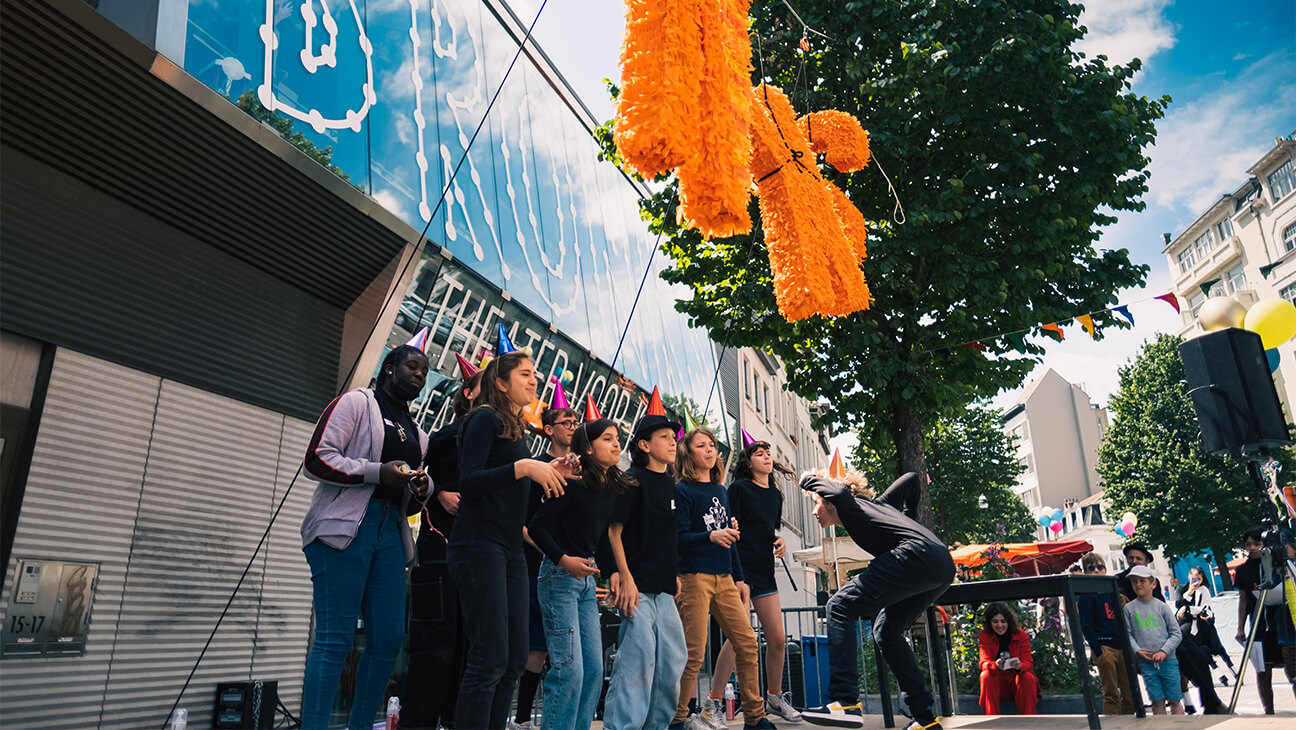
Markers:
point(567, 530)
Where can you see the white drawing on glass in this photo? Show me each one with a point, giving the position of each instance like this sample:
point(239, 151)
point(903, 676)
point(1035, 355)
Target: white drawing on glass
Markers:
point(420, 122)
point(327, 56)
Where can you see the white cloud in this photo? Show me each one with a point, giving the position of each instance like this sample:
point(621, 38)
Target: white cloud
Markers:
point(1205, 146)
point(1126, 29)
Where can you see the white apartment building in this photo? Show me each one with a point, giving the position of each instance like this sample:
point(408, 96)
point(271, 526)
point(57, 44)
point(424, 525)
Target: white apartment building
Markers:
point(757, 399)
point(1244, 246)
point(1058, 431)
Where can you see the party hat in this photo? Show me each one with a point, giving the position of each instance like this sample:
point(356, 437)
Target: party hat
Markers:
point(747, 439)
point(466, 369)
point(835, 468)
point(655, 404)
point(689, 423)
point(419, 340)
point(591, 410)
point(559, 399)
point(504, 344)
point(531, 413)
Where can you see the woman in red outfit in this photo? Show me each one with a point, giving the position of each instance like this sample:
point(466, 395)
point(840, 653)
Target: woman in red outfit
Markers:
point(1006, 666)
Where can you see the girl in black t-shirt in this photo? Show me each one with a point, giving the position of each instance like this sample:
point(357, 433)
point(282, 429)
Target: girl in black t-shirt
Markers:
point(756, 502)
point(485, 551)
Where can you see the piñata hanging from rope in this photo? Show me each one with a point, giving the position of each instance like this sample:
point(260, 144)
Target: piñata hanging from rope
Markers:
point(686, 103)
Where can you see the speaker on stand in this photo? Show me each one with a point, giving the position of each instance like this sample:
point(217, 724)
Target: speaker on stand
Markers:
point(1237, 406)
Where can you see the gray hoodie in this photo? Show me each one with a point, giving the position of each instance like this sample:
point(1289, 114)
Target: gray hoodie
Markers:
point(1152, 626)
point(345, 456)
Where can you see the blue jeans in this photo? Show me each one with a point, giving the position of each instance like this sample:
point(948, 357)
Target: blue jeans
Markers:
point(571, 622)
point(367, 578)
point(650, 659)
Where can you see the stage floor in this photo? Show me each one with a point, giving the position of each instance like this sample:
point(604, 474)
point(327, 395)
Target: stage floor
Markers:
point(1078, 722)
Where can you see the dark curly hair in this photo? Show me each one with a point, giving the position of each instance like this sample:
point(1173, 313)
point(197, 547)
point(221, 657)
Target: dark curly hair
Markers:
point(999, 609)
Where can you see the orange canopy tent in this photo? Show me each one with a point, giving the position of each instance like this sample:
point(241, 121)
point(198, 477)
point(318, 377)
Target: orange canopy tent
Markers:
point(1028, 558)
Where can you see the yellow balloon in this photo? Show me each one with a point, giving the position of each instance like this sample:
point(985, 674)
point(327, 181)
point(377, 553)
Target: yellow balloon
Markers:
point(1274, 320)
point(1218, 313)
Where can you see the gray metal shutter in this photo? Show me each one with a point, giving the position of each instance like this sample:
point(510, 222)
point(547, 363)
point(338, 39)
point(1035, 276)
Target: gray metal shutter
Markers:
point(80, 504)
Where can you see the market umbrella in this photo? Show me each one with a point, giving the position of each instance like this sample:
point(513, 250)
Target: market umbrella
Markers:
point(1028, 558)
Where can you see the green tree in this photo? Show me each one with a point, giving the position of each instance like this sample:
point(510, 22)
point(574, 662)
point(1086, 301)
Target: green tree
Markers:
point(1009, 151)
point(1152, 464)
point(969, 458)
point(249, 103)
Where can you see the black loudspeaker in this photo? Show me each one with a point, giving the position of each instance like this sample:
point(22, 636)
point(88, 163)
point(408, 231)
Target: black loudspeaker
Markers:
point(246, 704)
point(1233, 392)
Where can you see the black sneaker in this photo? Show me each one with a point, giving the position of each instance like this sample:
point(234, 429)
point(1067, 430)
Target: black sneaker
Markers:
point(935, 724)
point(835, 714)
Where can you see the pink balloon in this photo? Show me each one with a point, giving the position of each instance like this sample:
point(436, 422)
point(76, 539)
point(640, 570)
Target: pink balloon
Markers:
point(1127, 528)
point(1056, 527)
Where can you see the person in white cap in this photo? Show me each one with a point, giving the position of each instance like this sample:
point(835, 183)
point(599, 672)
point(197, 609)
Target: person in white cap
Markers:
point(1154, 634)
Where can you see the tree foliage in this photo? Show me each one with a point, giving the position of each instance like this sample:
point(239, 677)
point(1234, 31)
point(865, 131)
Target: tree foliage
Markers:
point(1009, 151)
point(1152, 464)
point(280, 123)
point(968, 457)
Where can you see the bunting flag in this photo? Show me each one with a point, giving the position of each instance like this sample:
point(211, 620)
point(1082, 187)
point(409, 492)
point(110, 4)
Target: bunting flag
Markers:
point(1017, 339)
point(504, 344)
point(836, 470)
point(591, 410)
point(1086, 321)
point(1123, 310)
point(1206, 286)
point(655, 407)
point(419, 340)
point(1054, 327)
point(975, 346)
point(1171, 299)
point(466, 369)
point(1266, 269)
point(747, 439)
point(559, 399)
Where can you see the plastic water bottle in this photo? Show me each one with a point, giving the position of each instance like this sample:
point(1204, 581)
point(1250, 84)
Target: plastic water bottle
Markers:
point(729, 701)
point(393, 713)
point(180, 719)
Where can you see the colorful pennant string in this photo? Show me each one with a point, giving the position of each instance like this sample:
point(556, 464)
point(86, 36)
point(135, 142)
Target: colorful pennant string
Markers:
point(1056, 328)
point(1087, 322)
point(1171, 299)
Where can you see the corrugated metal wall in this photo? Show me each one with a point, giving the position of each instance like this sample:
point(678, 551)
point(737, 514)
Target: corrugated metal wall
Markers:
point(169, 488)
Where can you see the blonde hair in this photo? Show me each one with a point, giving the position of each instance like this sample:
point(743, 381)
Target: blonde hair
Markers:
point(691, 472)
point(854, 480)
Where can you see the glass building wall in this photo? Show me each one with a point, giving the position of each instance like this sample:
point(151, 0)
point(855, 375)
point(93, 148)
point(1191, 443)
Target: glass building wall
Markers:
point(388, 94)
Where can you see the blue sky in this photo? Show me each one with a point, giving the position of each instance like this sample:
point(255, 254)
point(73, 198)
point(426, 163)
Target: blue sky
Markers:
point(1229, 67)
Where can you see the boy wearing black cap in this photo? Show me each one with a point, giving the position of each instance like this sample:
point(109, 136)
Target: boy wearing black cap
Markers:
point(644, 688)
point(911, 568)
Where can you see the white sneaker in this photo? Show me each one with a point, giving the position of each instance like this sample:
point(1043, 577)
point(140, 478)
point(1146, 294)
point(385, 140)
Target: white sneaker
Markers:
point(780, 704)
point(713, 713)
point(697, 722)
point(834, 714)
point(512, 725)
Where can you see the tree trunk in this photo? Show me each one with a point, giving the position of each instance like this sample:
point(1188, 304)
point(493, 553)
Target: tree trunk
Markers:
point(907, 434)
point(1221, 561)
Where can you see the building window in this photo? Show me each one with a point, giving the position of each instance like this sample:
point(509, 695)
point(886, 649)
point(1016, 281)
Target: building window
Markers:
point(1195, 302)
point(1203, 245)
point(1187, 258)
point(1224, 228)
point(1237, 278)
point(1289, 293)
point(744, 377)
point(1281, 181)
point(767, 405)
point(1289, 237)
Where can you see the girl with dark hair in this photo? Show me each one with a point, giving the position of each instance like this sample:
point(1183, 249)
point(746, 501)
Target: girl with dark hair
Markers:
point(436, 636)
point(1006, 666)
point(485, 551)
point(756, 502)
point(567, 529)
point(355, 534)
point(711, 579)
point(1197, 618)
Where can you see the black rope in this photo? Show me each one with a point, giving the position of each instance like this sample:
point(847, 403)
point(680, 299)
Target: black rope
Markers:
point(417, 247)
point(642, 281)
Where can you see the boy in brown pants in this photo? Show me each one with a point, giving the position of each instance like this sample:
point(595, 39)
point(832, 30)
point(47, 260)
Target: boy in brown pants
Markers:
point(1098, 620)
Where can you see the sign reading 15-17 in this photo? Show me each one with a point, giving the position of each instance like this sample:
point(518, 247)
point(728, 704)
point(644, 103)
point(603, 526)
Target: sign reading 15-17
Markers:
point(49, 611)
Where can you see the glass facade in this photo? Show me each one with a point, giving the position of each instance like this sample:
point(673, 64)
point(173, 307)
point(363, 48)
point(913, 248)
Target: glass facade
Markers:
point(389, 95)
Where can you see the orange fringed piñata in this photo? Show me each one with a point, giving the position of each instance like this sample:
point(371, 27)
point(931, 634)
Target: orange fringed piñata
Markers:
point(661, 79)
point(714, 183)
point(814, 261)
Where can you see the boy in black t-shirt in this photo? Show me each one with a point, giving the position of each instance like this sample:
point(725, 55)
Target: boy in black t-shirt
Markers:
point(644, 688)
